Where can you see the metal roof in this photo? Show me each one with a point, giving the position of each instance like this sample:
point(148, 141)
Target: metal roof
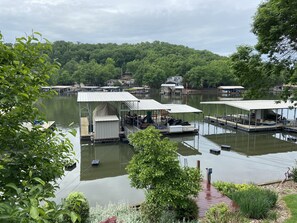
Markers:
point(181, 108)
point(254, 104)
point(179, 87)
point(230, 87)
point(105, 97)
point(106, 118)
point(168, 85)
point(146, 105)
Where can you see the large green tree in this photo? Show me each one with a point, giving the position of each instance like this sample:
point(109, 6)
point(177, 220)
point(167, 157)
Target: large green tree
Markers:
point(155, 168)
point(275, 25)
point(32, 159)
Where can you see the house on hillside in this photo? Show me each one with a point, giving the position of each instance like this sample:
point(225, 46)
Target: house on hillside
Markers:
point(173, 86)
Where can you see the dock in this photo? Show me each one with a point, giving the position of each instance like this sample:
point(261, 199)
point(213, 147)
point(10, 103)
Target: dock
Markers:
point(112, 116)
point(248, 128)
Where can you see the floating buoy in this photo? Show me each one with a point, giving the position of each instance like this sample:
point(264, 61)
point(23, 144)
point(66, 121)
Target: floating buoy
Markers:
point(226, 147)
point(95, 163)
point(215, 151)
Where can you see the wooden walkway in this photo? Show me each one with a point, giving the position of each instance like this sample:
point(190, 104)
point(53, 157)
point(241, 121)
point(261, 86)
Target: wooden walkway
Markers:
point(209, 196)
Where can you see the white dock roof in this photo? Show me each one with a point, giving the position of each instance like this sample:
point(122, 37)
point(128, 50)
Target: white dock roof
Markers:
point(230, 87)
point(106, 118)
point(105, 97)
point(168, 85)
point(181, 108)
point(254, 104)
point(146, 105)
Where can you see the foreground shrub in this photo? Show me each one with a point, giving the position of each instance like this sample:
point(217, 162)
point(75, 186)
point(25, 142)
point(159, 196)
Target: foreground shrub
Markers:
point(76, 203)
point(188, 211)
point(217, 213)
point(255, 202)
point(150, 212)
point(220, 213)
point(228, 189)
point(123, 213)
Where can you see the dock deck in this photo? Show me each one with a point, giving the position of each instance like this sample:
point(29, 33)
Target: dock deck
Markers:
point(248, 128)
point(84, 128)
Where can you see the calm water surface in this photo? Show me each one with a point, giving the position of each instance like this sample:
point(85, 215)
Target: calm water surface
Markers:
point(255, 157)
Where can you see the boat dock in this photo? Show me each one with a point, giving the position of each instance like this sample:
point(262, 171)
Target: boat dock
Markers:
point(255, 115)
point(111, 116)
point(248, 128)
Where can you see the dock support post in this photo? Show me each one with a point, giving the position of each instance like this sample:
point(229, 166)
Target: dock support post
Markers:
point(198, 164)
point(209, 172)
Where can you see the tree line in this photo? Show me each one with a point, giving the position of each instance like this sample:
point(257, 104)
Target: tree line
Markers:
point(149, 63)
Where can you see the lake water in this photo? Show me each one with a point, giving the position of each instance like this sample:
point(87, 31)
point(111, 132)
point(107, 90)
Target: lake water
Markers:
point(254, 157)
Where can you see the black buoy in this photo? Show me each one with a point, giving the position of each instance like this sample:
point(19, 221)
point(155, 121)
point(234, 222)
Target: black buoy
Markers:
point(95, 162)
point(226, 147)
point(215, 151)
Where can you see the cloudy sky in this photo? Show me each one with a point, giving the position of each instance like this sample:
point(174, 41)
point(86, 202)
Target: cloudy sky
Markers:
point(216, 25)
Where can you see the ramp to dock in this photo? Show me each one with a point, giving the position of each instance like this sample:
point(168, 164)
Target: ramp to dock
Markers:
point(84, 127)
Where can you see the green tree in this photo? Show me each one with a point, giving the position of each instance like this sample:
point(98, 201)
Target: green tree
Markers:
point(249, 69)
point(155, 168)
point(275, 25)
point(31, 159)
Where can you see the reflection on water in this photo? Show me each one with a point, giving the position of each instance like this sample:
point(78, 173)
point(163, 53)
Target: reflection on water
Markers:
point(113, 160)
point(252, 144)
point(254, 157)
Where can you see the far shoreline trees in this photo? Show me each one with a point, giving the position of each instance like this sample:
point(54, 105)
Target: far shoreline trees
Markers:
point(149, 63)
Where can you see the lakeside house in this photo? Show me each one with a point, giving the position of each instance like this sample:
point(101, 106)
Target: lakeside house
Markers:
point(173, 86)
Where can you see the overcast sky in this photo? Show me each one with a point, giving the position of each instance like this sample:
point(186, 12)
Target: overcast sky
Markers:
point(216, 25)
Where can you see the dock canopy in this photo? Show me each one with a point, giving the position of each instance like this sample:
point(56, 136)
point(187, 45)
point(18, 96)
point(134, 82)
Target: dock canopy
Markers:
point(231, 88)
point(181, 108)
point(105, 97)
point(249, 105)
point(146, 105)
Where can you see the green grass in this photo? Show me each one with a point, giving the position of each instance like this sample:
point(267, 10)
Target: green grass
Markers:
point(291, 202)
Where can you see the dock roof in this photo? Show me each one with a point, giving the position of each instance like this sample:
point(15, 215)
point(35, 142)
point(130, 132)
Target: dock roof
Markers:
point(249, 105)
point(181, 108)
point(150, 105)
point(105, 97)
point(146, 105)
point(230, 87)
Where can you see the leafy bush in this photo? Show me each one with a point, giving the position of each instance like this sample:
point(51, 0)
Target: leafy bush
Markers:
point(255, 202)
point(188, 211)
point(150, 212)
point(217, 213)
point(77, 204)
point(220, 213)
point(228, 189)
